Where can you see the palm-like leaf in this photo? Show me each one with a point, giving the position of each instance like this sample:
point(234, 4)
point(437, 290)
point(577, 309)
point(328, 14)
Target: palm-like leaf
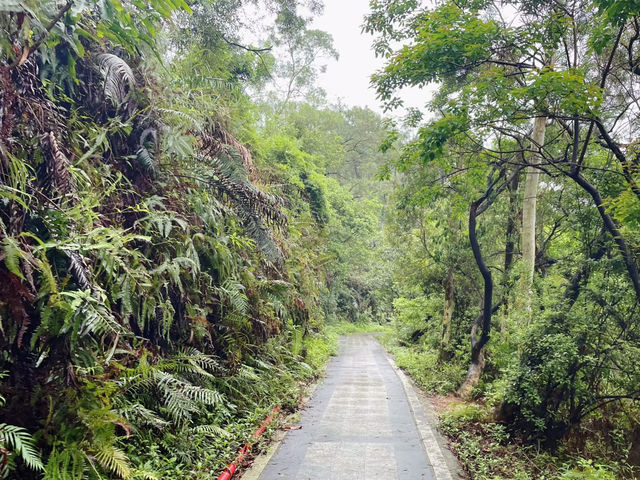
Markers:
point(114, 460)
point(117, 75)
point(213, 430)
point(20, 441)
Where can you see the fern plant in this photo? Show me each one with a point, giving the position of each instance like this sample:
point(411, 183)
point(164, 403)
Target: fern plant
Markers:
point(118, 77)
point(16, 441)
point(139, 249)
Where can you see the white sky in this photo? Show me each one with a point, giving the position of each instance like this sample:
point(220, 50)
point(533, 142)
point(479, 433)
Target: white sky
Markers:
point(347, 79)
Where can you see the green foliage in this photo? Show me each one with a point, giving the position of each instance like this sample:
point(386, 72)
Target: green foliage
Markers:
point(588, 471)
point(483, 446)
point(422, 364)
point(554, 359)
point(18, 441)
point(318, 202)
point(413, 314)
point(167, 259)
point(617, 12)
point(317, 350)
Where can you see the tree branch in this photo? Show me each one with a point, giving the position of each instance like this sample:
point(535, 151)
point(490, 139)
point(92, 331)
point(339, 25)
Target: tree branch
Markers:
point(244, 47)
point(612, 228)
point(30, 48)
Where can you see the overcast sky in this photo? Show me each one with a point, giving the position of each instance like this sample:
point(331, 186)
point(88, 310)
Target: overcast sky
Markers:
point(348, 78)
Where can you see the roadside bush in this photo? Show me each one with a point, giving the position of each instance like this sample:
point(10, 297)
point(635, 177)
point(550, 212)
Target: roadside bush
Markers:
point(587, 470)
point(423, 366)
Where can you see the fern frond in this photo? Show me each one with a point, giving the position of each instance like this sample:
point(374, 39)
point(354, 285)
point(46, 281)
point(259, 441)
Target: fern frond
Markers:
point(12, 255)
point(195, 123)
point(49, 284)
point(248, 373)
point(113, 459)
point(195, 357)
point(178, 405)
point(202, 395)
point(230, 176)
point(211, 430)
point(198, 366)
point(218, 143)
point(264, 365)
point(146, 475)
point(233, 293)
point(57, 166)
point(255, 207)
point(79, 269)
point(21, 442)
point(91, 314)
point(255, 229)
point(67, 464)
point(117, 75)
point(126, 305)
point(278, 306)
point(145, 159)
point(139, 414)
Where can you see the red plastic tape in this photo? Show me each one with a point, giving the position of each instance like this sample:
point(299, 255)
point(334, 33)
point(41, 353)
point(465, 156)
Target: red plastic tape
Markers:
point(233, 466)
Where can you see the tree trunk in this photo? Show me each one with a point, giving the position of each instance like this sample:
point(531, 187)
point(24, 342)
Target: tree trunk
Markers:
point(512, 216)
point(510, 241)
point(484, 319)
point(449, 306)
point(529, 209)
point(472, 378)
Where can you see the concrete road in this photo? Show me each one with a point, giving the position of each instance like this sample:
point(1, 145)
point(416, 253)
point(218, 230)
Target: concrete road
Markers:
point(360, 424)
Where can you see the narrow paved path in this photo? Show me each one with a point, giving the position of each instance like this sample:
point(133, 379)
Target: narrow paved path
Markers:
point(358, 425)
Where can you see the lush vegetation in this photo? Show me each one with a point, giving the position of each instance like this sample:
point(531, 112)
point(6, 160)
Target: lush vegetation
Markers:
point(171, 241)
point(518, 208)
point(182, 215)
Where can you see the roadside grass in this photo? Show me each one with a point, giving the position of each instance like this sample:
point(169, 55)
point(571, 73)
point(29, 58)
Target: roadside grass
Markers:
point(420, 361)
point(344, 328)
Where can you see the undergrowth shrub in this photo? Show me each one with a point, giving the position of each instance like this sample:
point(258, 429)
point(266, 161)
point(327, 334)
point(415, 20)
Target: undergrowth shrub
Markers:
point(422, 363)
point(489, 450)
point(318, 348)
point(588, 470)
point(484, 447)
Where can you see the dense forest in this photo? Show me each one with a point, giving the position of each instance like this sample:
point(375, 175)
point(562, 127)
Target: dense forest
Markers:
point(186, 221)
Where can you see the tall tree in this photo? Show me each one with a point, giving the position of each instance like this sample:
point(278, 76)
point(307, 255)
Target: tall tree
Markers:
point(496, 80)
point(529, 208)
